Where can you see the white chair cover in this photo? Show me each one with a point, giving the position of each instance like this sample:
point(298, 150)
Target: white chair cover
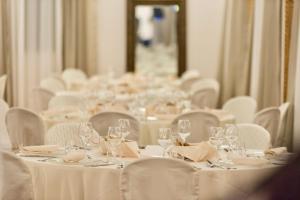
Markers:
point(4, 138)
point(103, 120)
point(24, 127)
point(200, 122)
point(191, 73)
point(242, 107)
point(269, 119)
point(66, 101)
point(54, 84)
point(186, 85)
point(159, 179)
point(254, 136)
point(73, 75)
point(282, 122)
point(3, 79)
point(41, 98)
point(207, 97)
point(206, 83)
point(61, 133)
point(15, 178)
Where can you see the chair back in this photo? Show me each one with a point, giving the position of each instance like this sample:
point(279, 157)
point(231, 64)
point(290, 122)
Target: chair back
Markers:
point(242, 107)
point(159, 179)
point(15, 178)
point(54, 84)
point(3, 79)
point(186, 84)
point(254, 136)
point(71, 75)
point(206, 97)
point(269, 119)
point(103, 120)
point(4, 138)
point(41, 98)
point(283, 108)
point(201, 121)
point(62, 133)
point(24, 127)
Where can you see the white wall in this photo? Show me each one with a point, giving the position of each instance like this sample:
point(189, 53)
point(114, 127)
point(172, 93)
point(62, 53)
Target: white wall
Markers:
point(204, 27)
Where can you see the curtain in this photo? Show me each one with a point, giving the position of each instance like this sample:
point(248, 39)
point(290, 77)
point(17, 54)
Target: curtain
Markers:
point(270, 74)
point(32, 37)
point(234, 70)
point(80, 35)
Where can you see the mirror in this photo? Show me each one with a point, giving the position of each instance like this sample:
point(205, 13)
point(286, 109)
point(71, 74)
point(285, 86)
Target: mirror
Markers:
point(156, 37)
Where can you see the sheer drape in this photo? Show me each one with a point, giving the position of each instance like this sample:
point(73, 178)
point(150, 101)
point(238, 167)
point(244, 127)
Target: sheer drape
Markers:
point(80, 35)
point(234, 71)
point(32, 43)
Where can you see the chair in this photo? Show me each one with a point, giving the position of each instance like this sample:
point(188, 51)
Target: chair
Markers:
point(242, 107)
point(54, 84)
point(15, 178)
point(66, 100)
point(41, 98)
point(103, 120)
point(4, 138)
point(3, 79)
point(206, 83)
point(269, 119)
point(191, 73)
point(24, 127)
point(207, 97)
point(186, 85)
point(159, 179)
point(71, 75)
point(254, 136)
point(61, 133)
point(283, 108)
point(200, 123)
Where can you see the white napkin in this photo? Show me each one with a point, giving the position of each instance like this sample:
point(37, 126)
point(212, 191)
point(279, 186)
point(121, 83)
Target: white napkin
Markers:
point(40, 149)
point(276, 151)
point(74, 156)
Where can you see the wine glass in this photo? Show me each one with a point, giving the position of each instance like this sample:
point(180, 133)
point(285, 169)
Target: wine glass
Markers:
point(184, 129)
point(85, 133)
point(114, 139)
point(231, 135)
point(216, 137)
point(164, 138)
point(124, 125)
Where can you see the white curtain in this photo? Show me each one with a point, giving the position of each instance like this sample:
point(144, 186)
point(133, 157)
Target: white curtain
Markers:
point(34, 44)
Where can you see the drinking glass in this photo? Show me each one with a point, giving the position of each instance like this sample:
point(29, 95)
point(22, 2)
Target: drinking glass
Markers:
point(85, 133)
point(164, 138)
point(231, 135)
point(184, 129)
point(124, 125)
point(216, 137)
point(114, 139)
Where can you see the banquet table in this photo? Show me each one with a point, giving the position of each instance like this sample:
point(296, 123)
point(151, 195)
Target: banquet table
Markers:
point(58, 180)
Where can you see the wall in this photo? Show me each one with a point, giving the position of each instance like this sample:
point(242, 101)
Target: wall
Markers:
point(204, 28)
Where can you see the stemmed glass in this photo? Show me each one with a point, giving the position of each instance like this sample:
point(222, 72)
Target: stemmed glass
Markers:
point(114, 139)
point(164, 138)
point(216, 137)
point(231, 135)
point(124, 125)
point(184, 129)
point(85, 133)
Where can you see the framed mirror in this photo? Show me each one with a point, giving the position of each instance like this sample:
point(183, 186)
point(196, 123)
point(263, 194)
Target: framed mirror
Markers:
point(156, 37)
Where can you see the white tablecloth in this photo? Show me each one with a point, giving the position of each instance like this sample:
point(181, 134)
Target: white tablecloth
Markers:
point(55, 181)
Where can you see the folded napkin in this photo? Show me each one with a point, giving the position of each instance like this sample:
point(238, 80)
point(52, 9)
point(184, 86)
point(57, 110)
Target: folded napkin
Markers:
point(162, 109)
point(128, 149)
point(74, 156)
point(40, 149)
point(250, 161)
point(276, 151)
point(197, 152)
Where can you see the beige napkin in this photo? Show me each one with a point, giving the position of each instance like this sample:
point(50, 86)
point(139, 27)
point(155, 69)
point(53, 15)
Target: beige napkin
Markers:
point(39, 149)
point(162, 109)
point(276, 151)
point(127, 149)
point(197, 152)
point(74, 156)
point(250, 161)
